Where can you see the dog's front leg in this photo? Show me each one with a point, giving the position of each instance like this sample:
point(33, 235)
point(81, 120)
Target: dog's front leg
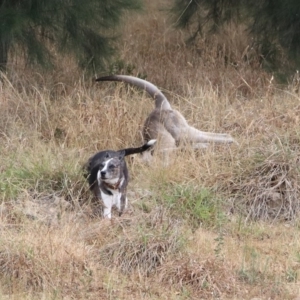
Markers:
point(108, 203)
point(122, 203)
point(107, 212)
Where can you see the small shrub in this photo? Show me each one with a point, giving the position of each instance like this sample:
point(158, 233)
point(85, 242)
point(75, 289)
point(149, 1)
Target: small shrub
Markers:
point(268, 186)
point(197, 205)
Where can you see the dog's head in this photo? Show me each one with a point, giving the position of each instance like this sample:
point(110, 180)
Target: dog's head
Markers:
point(111, 167)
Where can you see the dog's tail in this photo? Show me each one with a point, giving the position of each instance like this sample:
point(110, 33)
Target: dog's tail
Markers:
point(130, 151)
point(161, 102)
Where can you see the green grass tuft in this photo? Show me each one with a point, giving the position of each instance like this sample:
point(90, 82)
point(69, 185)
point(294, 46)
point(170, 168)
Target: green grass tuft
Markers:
point(199, 206)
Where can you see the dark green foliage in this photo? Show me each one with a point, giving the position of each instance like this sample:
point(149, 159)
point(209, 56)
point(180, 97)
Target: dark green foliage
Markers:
point(205, 13)
point(273, 26)
point(40, 28)
point(276, 28)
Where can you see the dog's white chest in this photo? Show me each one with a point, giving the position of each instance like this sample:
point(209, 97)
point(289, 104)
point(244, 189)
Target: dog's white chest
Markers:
point(113, 199)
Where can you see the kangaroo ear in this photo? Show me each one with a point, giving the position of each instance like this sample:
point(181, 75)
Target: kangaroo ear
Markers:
point(121, 154)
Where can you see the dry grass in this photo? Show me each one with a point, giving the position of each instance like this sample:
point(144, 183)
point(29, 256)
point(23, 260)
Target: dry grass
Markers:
point(210, 278)
point(146, 248)
point(216, 224)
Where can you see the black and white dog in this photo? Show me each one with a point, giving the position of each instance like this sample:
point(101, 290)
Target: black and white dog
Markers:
point(108, 176)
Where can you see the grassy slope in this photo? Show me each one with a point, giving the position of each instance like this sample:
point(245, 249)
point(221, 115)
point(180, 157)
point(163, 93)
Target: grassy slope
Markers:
point(216, 224)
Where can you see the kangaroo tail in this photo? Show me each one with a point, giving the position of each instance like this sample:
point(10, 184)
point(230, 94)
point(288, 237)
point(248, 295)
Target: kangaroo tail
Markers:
point(161, 102)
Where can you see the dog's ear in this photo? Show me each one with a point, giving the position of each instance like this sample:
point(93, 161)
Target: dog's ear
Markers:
point(107, 155)
point(121, 154)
